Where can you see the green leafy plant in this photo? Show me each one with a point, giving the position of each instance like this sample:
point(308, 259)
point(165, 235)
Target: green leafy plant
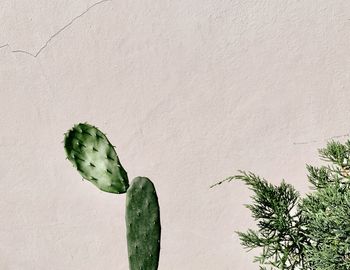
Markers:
point(310, 232)
point(95, 158)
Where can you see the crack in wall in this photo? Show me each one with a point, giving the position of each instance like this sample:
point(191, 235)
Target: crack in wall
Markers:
point(65, 27)
point(328, 139)
point(308, 142)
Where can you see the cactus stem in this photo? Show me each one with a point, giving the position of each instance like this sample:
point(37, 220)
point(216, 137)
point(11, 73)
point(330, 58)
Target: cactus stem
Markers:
point(144, 237)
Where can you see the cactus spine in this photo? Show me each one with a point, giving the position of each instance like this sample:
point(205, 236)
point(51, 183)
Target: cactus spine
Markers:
point(89, 150)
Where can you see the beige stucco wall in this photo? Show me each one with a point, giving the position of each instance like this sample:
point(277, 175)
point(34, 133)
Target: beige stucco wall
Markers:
point(189, 92)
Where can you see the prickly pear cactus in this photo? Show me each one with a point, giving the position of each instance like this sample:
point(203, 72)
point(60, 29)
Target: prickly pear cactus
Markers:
point(95, 158)
point(143, 225)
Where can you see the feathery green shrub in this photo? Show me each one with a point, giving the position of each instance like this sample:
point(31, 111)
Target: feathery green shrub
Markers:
point(310, 232)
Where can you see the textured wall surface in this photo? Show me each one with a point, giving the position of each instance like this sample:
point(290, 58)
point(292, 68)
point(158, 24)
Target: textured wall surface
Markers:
point(189, 91)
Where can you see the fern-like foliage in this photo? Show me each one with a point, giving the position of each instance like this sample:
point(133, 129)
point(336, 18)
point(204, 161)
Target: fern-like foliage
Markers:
point(309, 233)
point(326, 212)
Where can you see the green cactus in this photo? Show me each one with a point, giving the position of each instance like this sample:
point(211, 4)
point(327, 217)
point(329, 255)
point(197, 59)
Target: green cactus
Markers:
point(143, 225)
point(96, 160)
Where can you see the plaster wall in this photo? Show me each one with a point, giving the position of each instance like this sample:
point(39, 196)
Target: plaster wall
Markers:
point(188, 91)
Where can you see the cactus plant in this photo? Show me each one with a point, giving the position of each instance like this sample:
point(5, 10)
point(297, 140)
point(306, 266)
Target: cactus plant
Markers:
point(95, 158)
point(143, 224)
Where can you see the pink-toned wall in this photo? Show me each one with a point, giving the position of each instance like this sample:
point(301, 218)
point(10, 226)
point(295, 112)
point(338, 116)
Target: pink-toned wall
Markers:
point(188, 91)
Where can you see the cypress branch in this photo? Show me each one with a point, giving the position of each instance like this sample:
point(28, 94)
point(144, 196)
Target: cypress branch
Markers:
point(309, 233)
